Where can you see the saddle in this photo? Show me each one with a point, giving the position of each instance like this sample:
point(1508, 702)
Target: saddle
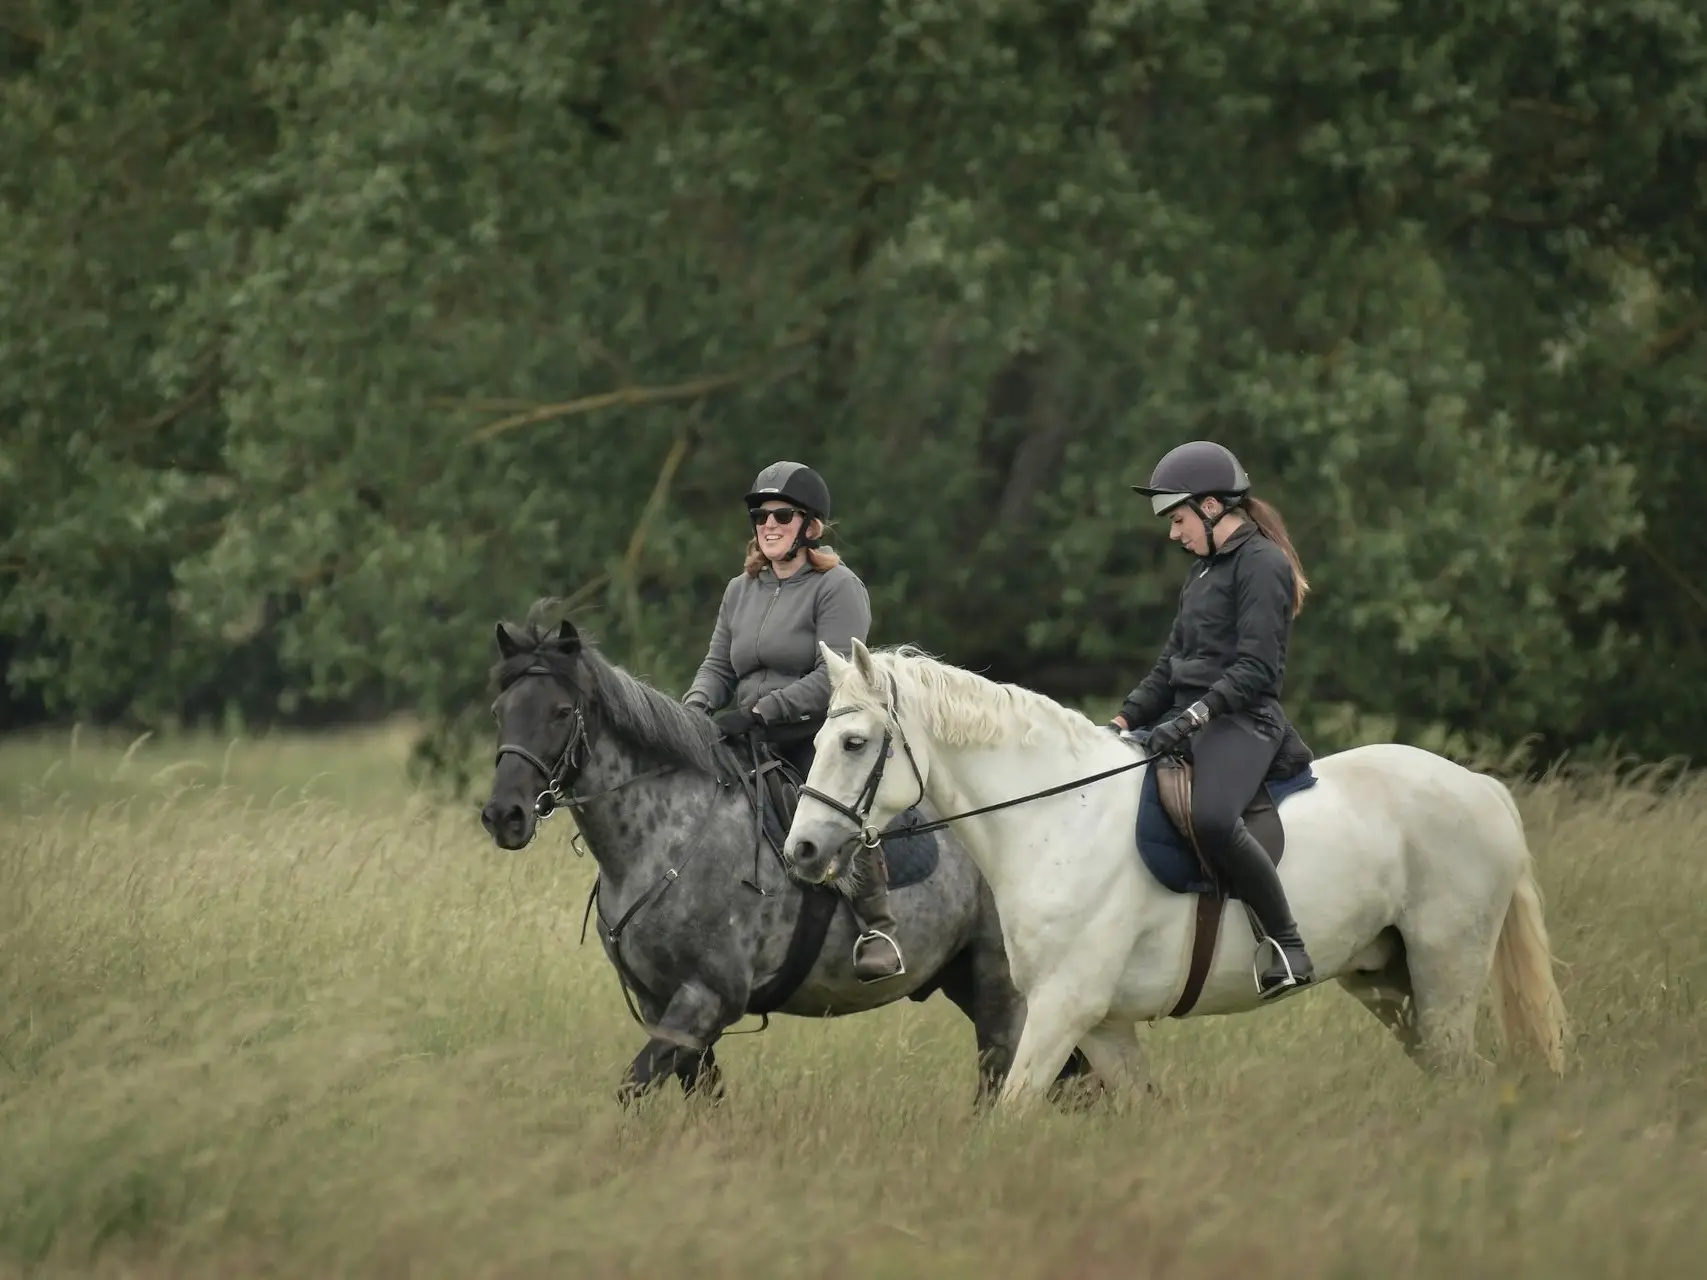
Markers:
point(775, 793)
point(1171, 850)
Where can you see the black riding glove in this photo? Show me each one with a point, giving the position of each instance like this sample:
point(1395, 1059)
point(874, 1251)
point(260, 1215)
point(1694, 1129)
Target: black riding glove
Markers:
point(734, 721)
point(1168, 737)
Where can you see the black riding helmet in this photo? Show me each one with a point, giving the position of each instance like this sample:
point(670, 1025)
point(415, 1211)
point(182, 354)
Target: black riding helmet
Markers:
point(797, 483)
point(1190, 472)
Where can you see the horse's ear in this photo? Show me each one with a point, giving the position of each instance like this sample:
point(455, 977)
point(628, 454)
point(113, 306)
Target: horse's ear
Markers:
point(834, 663)
point(863, 663)
point(511, 640)
point(565, 637)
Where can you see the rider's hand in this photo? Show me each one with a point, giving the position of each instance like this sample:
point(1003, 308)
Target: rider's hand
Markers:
point(734, 721)
point(1169, 736)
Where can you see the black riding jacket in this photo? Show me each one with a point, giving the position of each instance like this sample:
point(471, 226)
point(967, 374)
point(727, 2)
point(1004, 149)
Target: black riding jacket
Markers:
point(1228, 643)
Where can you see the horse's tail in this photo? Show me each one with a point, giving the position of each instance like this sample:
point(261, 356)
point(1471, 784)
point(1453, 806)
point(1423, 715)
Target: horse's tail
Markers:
point(1527, 1003)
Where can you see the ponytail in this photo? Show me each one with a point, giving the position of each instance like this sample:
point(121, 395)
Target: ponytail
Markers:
point(1268, 520)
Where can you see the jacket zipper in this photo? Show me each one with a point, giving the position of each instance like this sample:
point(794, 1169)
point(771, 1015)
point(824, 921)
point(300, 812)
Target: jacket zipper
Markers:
point(758, 640)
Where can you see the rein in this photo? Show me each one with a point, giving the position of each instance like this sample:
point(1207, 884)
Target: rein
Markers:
point(859, 812)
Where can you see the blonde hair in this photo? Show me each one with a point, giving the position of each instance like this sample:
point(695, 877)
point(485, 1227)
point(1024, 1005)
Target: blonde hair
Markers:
point(819, 558)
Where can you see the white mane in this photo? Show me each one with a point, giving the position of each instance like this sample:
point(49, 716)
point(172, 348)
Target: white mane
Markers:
point(960, 707)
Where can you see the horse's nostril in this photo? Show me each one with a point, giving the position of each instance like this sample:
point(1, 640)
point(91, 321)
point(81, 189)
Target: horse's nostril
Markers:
point(805, 851)
point(509, 819)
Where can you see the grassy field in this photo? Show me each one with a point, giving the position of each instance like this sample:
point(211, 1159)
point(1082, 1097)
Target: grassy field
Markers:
point(264, 1011)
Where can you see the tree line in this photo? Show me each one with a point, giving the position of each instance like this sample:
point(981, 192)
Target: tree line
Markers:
point(331, 333)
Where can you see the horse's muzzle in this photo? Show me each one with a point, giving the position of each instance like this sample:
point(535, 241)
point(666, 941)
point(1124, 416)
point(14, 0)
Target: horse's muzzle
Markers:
point(511, 826)
point(809, 863)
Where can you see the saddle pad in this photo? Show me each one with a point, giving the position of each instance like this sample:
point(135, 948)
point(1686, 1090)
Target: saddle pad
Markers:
point(1168, 854)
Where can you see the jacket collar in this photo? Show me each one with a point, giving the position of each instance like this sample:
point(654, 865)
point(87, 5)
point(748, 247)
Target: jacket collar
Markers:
point(1235, 540)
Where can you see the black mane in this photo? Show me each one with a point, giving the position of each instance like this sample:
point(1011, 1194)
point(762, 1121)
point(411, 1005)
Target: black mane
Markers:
point(632, 709)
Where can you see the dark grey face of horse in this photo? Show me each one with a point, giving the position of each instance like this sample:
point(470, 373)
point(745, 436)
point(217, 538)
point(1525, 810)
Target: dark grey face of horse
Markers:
point(542, 738)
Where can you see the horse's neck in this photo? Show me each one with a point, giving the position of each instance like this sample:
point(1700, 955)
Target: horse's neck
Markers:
point(636, 828)
point(966, 778)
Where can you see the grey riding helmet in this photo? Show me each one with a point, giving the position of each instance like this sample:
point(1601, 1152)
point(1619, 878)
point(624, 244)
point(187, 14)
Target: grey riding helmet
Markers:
point(792, 482)
point(1196, 469)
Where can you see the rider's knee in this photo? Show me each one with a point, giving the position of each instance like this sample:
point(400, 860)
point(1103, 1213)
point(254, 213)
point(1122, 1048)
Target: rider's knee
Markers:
point(1214, 825)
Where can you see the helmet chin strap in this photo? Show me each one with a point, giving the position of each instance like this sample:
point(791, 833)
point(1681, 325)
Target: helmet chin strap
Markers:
point(801, 541)
point(1209, 522)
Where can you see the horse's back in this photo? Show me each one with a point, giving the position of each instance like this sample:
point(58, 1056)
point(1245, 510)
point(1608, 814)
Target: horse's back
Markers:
point(1406, 783)
point(1407, 807)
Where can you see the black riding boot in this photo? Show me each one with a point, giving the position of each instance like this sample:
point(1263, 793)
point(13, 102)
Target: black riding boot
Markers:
point(1258, 884)
point(877, 951)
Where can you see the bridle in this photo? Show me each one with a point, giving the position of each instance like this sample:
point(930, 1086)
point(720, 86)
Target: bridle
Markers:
point(859, 812)
point(570, 761)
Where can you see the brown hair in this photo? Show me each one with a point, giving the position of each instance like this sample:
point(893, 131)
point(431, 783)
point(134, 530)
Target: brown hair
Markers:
point(820, 558)
point(1268, 520)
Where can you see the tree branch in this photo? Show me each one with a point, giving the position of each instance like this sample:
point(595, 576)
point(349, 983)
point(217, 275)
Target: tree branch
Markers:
point(655, 500)
point(1675, 339)
point(478, 405)
point(632, 396)
point(623, 397)
point(1558, 111)
point(1679, 578)
point(172, 412)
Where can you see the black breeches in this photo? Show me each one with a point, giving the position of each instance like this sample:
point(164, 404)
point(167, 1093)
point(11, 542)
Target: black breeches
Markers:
point(1229, 762)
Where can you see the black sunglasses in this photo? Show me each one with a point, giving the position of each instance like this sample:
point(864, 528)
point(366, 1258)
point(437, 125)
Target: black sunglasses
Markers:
point(782, 515)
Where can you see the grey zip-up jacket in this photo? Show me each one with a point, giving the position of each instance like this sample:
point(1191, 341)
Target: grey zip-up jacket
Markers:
point(764, 648)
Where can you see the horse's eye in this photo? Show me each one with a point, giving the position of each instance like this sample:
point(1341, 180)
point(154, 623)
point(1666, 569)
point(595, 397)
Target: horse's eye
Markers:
point(563, 712)
point(853, 742)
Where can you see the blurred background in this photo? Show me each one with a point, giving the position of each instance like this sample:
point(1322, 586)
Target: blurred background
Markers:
point(332, 333)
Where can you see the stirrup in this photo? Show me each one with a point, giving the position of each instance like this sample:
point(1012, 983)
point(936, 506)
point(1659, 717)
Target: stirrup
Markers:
point(900, 959)
point(1291, 982)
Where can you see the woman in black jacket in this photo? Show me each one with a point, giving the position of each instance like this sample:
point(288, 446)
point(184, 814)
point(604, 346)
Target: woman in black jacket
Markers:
point(1215, 690)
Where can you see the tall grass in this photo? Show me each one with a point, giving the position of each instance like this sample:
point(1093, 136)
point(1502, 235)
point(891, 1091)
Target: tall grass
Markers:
point(263, 1010)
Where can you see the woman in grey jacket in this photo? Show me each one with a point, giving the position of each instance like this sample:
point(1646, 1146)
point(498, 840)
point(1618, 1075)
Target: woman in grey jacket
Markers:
point(763, 674)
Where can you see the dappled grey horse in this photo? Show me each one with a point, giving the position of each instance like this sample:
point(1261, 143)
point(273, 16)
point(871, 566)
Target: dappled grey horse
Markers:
point(696, 910)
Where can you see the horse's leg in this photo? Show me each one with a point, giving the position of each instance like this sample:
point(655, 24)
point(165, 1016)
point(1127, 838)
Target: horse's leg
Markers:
point(981, 985)
point(642, 1073)
point(992, 1019)
point(1058, 1014)
point(1447, 975)
point(699, 1073)
point(1386, 993)
point(1117, 1055)
point(682, 1044)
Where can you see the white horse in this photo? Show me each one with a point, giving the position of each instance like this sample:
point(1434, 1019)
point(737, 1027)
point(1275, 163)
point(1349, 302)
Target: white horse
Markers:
point(1408, 874)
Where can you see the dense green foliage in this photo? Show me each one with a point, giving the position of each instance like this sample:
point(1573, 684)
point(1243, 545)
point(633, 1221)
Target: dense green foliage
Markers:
point(329, 334)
